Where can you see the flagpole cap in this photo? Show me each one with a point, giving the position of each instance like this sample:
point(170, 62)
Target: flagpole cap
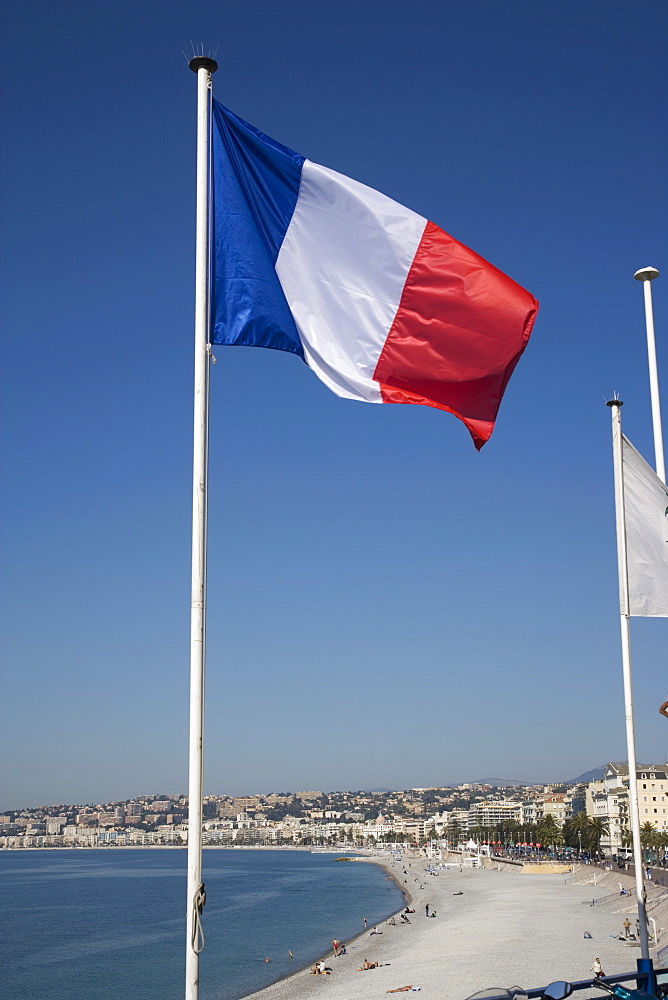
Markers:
point(646, 274)
point(614, 402)
point(206, 62)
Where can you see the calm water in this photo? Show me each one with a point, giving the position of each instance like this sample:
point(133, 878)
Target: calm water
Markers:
point(109, 924)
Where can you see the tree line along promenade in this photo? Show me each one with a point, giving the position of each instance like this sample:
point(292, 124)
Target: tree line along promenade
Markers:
point(589, 816)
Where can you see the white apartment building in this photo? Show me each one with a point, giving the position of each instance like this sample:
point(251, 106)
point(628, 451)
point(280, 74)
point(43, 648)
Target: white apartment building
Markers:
point(532, 812)
point(491, 814)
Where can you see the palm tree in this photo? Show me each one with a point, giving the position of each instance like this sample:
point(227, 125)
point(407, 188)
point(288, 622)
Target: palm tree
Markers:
point(595, 829)
point(509, 831)
point(574, 830)
point(546, 829)
point(453, 831)
point(648, 837)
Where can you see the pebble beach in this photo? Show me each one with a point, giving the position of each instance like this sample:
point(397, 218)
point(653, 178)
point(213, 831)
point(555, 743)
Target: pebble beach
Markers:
point(493, 928)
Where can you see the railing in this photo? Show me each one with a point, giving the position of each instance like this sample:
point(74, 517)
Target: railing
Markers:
point(651, 903)
point(609, 896)
point(644, 979)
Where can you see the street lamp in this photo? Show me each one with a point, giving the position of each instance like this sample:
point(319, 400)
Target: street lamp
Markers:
point(579, 844)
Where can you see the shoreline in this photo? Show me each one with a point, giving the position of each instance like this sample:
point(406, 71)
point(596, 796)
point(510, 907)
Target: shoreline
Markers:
point(354, 942)
point(351, 942)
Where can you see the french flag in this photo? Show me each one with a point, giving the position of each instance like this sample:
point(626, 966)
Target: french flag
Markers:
point(380, 303)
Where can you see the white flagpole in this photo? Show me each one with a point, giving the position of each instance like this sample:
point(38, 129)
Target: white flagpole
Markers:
point(624, 609)
point(204, 67)
point(647, 275)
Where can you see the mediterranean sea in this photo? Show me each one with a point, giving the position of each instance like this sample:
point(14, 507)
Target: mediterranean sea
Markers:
point(109, 923)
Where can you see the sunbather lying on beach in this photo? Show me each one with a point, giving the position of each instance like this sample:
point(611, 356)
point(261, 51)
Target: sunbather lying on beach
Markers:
point(368, 965)
point(400, 989)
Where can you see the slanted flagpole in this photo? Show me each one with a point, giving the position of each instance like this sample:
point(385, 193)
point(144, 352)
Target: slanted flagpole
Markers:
point(204, 67)
point(647, 275)
point(624, 608)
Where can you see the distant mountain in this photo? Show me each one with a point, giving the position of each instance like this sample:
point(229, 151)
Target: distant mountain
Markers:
point(502, 782)
point(596, 773)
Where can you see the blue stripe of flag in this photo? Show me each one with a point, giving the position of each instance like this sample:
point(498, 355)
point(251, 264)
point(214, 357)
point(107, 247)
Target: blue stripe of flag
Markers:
point(255, 185)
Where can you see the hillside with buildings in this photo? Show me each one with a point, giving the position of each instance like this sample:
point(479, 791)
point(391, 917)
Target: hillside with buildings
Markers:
point(591, 815)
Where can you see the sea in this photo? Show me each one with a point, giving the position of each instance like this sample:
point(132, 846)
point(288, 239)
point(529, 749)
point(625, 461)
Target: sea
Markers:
point(109, 923)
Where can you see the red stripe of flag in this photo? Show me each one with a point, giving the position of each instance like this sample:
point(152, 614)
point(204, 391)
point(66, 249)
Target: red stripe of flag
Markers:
point(459, 331)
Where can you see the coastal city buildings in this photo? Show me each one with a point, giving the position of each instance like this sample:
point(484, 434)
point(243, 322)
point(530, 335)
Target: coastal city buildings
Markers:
point(503, 817)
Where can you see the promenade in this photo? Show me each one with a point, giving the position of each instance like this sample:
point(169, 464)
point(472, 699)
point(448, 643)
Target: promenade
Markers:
point(505, 929)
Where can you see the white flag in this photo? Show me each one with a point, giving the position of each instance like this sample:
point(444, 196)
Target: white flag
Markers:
point(646, 510)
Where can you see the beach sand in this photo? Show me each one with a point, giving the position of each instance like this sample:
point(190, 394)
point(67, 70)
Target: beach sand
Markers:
point(506, 929)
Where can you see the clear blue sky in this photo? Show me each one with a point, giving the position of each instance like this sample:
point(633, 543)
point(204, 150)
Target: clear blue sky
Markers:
point(386, 606)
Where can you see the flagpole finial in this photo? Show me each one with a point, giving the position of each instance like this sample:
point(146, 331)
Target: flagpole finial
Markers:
point(206, 62)
point(646, 274)
point(615, 401)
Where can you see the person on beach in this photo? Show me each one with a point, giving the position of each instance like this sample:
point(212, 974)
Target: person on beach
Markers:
point(426, 909)
point(335, 946)
point(627, 927)
point(364, 922)
point(597, 969)
point(366, 964)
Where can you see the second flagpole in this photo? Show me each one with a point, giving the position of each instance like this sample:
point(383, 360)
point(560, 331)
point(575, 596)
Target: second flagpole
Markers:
point(195, 895)
point(647, 276)
point(624, 609)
